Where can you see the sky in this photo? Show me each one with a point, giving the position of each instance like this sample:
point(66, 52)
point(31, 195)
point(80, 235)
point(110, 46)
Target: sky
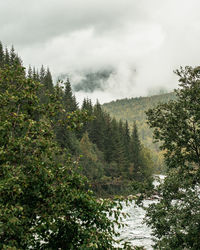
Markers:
point(141, 41)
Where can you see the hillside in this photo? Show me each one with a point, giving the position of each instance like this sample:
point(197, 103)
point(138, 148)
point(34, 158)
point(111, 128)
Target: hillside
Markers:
point(133, 109)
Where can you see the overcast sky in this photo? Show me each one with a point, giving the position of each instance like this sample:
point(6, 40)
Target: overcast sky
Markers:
point(142, 41)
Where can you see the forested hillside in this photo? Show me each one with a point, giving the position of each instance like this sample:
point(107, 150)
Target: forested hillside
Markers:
point(45, 203)
point(133, 110)
point(110, 155)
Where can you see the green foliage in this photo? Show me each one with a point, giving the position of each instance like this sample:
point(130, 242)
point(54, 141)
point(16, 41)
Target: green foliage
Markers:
point(175, 219)
point(44, 202)
point(91, 160)
point(133, 110)
point(124, 158)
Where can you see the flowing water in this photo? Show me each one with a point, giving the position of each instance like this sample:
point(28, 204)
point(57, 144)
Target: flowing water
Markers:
point(136, 231)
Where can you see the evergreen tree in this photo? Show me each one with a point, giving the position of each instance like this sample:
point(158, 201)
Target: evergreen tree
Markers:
point(13, 56)
point(42, 74)
point(6, 57)
point(127, 139)
point(44, 202)
point(118, 152)
point(47, 80)
point(86, 106)
point(109, 140)
point(69, 99)
point(135, 149)
point(1, 55)
point(30, 74)
point(98, 127)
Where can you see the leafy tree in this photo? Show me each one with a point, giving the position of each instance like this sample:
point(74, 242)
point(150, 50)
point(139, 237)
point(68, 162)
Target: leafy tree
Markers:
point(44, 202)
point(175, 219)
point(91, 160)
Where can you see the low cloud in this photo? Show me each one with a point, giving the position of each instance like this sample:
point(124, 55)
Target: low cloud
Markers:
point(141, 42)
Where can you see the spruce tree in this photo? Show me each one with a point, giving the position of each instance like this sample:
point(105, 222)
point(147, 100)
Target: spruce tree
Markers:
point(98, 127)
point(13, 56)
point(69, 99)
point(127, 139)
point(135, 152)
point(42, 74)
point(6, 57)
point(30, 73)
point(47, 80)
point(1, 55)
point(118, 150)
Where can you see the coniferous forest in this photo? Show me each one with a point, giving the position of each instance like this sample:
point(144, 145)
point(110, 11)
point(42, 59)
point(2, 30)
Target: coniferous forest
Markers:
point(110, 155)
point(134, 109)
point(60, 160)
point(45, 199)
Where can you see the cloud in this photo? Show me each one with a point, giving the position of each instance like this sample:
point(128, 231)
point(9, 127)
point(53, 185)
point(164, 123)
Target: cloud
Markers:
point(142, 42)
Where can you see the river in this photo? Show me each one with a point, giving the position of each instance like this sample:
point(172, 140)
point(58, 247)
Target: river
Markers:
point(136, 231)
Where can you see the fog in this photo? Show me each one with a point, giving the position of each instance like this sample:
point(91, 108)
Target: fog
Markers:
point(141, 42)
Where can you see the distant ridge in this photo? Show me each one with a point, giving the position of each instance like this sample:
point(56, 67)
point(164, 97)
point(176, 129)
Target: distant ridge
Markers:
point(133, 109)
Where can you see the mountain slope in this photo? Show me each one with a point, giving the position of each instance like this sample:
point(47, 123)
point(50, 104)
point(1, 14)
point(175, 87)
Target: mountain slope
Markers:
point(133, 109)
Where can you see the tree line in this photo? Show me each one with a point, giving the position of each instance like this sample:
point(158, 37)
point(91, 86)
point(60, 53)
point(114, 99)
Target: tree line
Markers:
point(45, 199)
point(110, 155)
point(45, 202)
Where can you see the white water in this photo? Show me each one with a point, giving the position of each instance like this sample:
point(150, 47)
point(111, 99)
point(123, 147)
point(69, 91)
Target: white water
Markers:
point(136, 231)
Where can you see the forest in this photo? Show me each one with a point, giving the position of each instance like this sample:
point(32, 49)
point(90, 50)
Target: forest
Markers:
point(45, 199)
point(133, 110)
point(110, 154)
point(60, 161)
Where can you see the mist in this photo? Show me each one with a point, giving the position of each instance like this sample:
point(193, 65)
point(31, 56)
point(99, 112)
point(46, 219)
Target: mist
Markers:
point(140, 43)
